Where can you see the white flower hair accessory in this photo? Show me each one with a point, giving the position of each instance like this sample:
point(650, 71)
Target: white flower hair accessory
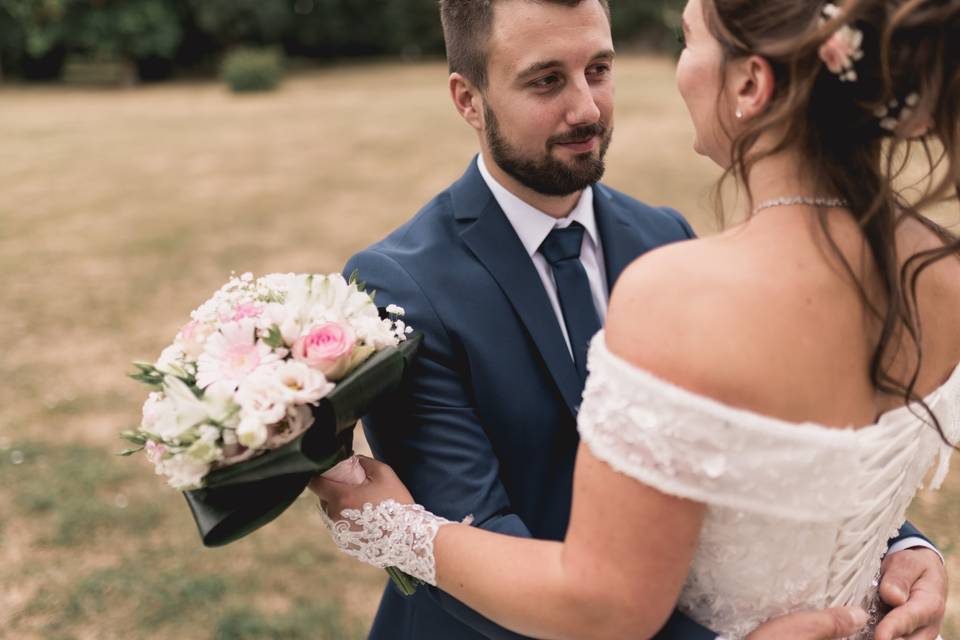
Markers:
point(843, 48)
point(894, 115)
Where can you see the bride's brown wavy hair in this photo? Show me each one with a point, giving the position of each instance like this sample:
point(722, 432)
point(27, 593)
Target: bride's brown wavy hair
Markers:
point(909, 47)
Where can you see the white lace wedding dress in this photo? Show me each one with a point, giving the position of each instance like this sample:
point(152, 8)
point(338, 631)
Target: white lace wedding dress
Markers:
point(798, 515)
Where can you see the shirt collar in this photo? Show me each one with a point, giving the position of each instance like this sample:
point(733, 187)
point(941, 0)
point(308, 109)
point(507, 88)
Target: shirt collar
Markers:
point(532, 225)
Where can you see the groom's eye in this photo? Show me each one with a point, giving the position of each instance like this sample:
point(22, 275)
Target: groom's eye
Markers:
point(600, 70)
point(546, 82)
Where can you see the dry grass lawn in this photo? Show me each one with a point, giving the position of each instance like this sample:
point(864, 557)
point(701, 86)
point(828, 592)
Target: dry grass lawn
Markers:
point(120, 212)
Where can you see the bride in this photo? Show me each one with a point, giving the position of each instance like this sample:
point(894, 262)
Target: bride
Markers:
point(771, 397)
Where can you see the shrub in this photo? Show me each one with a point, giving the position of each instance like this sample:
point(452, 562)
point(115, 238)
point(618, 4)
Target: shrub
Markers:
point(248, 70)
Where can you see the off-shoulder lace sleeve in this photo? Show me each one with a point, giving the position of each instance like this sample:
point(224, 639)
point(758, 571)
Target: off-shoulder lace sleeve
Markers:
point(690, 446)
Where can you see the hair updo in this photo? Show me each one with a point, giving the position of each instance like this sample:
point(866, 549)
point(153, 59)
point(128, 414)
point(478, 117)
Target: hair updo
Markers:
point(857, 132)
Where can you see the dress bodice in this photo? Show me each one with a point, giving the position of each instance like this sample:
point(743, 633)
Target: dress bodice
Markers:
point(798, 515)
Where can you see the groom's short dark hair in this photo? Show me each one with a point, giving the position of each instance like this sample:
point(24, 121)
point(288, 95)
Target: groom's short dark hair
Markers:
point(467, 25)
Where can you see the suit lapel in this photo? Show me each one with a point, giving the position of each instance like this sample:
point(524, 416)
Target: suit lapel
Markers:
point(494, 242)
point(620, 241)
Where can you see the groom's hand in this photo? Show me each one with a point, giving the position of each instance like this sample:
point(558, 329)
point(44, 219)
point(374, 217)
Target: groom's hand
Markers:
point(914, 584)
point(827, 624)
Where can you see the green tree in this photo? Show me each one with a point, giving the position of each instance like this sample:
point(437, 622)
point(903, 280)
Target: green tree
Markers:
point(126, 29)
point(235, 22)
point(34, 35)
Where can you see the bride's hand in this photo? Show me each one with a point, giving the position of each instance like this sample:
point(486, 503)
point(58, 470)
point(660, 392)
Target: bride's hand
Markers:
point(380, 483)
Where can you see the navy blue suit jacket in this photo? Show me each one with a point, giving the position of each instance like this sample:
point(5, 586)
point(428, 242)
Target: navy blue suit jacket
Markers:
point(486, 424)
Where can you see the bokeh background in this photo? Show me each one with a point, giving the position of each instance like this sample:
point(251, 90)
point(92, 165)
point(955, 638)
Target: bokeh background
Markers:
point(133, 180)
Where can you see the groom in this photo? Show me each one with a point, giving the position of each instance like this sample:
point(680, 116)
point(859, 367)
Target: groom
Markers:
point(507, 273)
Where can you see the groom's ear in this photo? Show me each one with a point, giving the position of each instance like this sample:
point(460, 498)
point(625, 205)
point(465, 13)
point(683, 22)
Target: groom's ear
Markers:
point(754, 80)
point(467, 100)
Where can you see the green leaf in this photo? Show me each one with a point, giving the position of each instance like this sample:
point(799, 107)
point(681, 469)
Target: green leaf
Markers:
point(135, 437)
point(274, 338)
point(129, 452)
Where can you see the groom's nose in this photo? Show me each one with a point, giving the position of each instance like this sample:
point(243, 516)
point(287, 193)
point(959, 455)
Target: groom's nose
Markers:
point(582, 107)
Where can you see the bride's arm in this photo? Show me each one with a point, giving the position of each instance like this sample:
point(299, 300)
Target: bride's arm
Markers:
point(617, 575)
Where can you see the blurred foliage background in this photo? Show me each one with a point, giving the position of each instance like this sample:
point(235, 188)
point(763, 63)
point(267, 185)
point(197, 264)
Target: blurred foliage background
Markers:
point(156, 39)
point(122, 210)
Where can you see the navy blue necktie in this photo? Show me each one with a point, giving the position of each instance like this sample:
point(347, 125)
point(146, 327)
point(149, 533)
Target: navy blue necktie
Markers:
point(562, 251)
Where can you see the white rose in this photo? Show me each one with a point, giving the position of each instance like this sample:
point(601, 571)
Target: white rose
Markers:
point(304, 385)
point(263, 396)
point(251, 433)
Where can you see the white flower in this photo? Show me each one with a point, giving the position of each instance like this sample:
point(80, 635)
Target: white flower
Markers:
point(330, 292)
point(288, 318)
point(183, 472)
point(191, 338)
point(303, 384)
point(278, 281)
point(375, 332)
point(171, 361)
point(178, 412)
point(394, 310)
point(251, 433)
point(263, 396)
point(358, 303)
point(221, 405)
point(300, 418)
point(232, 354)
point(155, 452)
point(205, 451)
point(153, 409)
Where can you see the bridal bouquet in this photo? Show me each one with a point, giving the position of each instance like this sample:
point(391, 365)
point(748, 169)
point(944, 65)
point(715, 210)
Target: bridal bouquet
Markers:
point(261, 390)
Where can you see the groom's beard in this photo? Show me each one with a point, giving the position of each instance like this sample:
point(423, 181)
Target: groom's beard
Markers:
point(547, 175)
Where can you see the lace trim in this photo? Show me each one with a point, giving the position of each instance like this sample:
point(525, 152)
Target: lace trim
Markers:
point(692, 447)
point(390, 535)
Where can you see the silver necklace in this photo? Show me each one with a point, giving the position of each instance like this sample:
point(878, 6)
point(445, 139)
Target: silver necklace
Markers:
point(794, 200)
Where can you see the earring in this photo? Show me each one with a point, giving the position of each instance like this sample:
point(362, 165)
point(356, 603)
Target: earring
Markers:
point(739, 114)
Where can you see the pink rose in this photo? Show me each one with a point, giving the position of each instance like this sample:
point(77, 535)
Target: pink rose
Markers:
point(327, 348)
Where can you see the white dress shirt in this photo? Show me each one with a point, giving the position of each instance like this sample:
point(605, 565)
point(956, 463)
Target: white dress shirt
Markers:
point(533, 226)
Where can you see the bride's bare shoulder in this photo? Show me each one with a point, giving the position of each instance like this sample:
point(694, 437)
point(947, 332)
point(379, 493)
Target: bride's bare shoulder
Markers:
point(716, 317)
point(679, 310)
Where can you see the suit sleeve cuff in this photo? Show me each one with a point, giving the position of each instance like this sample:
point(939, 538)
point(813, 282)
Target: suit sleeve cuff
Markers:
point(913, 543)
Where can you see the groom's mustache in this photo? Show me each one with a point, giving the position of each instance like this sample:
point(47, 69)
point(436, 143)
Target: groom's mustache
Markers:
point(579, 134)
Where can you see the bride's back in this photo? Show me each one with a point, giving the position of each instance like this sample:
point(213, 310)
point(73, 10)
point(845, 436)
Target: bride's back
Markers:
point(729, 368)
point(791, 329)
